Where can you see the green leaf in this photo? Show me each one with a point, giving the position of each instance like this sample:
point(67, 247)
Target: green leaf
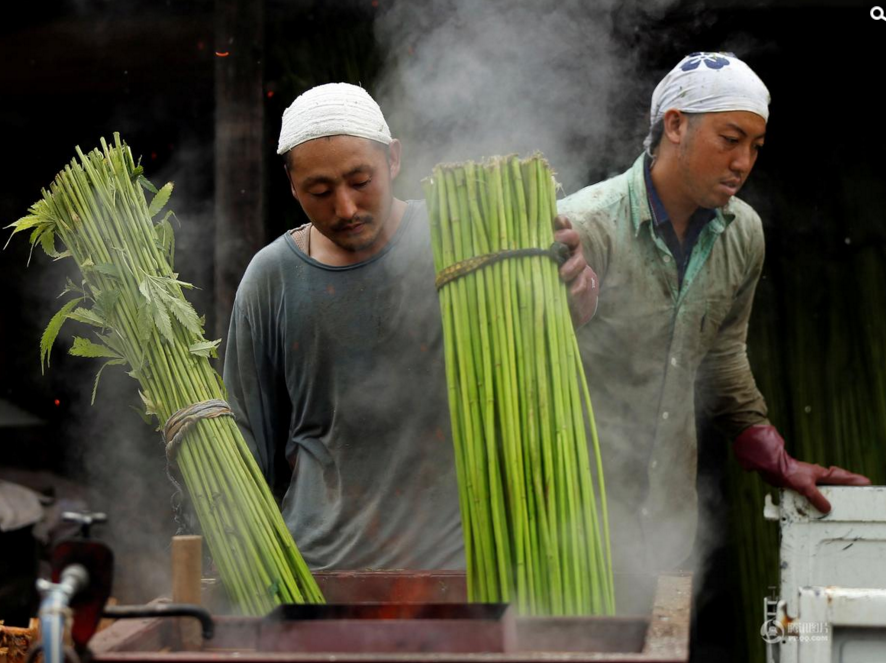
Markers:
point(145, 324)
point(142, 370)
point(41, 208)
point(146, 184)
point(63, 254)
point(144, 415)
point(114, 342)
point(70, 286)
point(105, 301)
point(113, 362)
point(35, 235)
point(161, 319)
point(166, 238)
point(47, 242)
point(165, 219)
point(52, 330)
point(184, 313)
point(39, 231)
point(205, 348)
point(145, 288)
point(182, 284)
point(88, 317)
point(108, 269)
point(24, 223)
point(158, 202)
point(85, 348)
point(150, 407)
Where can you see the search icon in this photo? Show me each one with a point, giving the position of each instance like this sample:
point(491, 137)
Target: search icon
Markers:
point(878, 14)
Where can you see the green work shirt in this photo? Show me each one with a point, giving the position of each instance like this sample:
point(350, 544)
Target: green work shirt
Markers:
point(651, 345)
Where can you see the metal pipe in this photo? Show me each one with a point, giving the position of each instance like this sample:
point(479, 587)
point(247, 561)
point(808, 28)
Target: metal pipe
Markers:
point(54, 610)
point(164, 610)
point(70, 655)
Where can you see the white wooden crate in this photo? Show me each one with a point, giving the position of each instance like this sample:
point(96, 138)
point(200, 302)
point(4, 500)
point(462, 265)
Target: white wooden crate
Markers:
point(832, 602)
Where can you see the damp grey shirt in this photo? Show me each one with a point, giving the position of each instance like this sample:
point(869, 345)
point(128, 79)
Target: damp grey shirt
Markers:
point(344, 366)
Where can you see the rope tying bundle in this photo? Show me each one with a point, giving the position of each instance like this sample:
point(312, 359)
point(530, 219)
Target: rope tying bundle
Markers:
point(558, 252)
point(173, 433)
point(179, 423)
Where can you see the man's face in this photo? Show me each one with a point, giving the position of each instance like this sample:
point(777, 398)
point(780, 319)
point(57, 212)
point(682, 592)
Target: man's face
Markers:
point(717, 153)
point(343, 184)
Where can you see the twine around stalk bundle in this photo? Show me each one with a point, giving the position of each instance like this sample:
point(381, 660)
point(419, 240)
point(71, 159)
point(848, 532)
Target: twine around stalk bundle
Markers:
point(558, 252)
point(174, 432)
point(178, 424)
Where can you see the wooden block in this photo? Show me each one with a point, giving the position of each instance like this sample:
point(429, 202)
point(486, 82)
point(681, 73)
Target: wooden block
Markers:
point(187, 570)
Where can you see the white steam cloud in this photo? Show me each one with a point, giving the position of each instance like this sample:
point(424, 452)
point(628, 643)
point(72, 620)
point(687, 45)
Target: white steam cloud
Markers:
point(464, 80)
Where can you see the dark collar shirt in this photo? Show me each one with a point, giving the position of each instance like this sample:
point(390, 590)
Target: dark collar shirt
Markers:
point(661, 222)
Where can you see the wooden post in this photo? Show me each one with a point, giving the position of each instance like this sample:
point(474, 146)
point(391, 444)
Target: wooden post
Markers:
point(239, 147)
point(187, 572)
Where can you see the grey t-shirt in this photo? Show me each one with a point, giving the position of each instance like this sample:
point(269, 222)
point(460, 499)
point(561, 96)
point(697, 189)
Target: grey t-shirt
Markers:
point(344, 366)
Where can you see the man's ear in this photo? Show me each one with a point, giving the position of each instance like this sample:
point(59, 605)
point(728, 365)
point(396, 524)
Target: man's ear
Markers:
point(394, 164)
point(289, 177)
point(676, 125)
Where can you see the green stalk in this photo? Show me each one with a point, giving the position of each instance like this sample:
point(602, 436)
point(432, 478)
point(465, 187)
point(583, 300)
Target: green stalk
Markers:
point(476, 284)
point(467, 392)
point(487, 299)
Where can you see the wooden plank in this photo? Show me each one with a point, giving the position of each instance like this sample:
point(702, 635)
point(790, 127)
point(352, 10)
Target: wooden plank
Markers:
point(668, 634)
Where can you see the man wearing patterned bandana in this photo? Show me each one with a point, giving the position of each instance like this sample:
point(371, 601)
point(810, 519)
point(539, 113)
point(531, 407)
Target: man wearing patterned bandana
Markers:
point(678, 257)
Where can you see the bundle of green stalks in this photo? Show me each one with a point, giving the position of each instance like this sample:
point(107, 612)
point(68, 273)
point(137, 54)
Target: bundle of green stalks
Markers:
point(534, 519)
point(132, 299)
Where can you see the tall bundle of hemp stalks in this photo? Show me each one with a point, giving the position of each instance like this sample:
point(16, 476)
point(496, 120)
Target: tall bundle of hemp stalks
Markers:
point(535, 525)
point(133, 300)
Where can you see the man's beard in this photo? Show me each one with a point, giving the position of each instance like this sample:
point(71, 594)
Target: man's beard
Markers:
point(367, 220)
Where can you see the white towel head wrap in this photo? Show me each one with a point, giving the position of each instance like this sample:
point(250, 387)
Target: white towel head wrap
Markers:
point(709, 83)
point(335, 109)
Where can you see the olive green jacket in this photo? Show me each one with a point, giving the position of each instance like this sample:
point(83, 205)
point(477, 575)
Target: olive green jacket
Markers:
point(649, 348)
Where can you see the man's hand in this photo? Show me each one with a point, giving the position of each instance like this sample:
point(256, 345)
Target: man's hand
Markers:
point(761, 448)
point(579, 278)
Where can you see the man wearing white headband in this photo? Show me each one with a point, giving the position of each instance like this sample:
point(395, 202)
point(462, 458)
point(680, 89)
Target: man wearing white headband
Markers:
point(679, 257)
point(335, 349)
